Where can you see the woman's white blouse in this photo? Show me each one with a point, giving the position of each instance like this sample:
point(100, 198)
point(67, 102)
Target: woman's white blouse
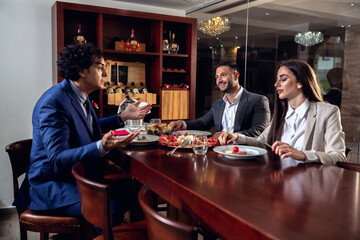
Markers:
point(294, 126)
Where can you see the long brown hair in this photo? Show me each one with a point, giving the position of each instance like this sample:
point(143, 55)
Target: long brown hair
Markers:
point(306, 76)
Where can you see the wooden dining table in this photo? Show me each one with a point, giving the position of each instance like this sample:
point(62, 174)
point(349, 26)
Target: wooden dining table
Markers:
point(259, 198)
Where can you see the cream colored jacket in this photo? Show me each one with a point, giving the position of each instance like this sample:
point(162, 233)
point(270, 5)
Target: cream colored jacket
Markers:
point(323, 134)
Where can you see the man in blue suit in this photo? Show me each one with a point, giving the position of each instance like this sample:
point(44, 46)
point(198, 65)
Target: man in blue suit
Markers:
point(238, 111)
point(66, 130)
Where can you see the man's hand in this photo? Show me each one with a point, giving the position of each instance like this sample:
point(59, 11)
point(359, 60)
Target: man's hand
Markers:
point(110, 141)
point(285, 150)
point(227, 138)
point(176, 125)
point(133, 111)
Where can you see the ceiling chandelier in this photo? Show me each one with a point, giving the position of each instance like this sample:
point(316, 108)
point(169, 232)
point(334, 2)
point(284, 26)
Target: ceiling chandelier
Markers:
point(215, 26)
point(309, 38)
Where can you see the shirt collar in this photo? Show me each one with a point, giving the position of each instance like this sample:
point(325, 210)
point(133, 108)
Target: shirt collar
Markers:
point(236, 98)
point(81, 96)
point(300, 111)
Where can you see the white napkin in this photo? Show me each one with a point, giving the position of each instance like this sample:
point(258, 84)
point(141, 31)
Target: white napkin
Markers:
point(140, 105)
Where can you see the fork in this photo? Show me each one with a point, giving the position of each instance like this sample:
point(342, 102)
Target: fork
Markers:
point(262, 141)
point(183, 144)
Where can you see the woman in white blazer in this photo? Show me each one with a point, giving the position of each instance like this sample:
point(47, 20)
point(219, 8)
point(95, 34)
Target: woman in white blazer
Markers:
point(303, 126)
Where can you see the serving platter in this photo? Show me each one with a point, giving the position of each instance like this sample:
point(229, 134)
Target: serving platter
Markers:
point(164, 142)
point(251, 152)
point(193, 132)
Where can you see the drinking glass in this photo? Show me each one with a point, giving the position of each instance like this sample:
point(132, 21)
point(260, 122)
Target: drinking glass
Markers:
point(155, 121)
point(133, 125)
point(200, 145)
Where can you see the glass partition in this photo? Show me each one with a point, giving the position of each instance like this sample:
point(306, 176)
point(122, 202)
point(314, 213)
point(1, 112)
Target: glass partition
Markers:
point(323, 33)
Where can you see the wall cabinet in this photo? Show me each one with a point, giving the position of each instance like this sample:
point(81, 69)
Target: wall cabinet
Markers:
point(103, 26)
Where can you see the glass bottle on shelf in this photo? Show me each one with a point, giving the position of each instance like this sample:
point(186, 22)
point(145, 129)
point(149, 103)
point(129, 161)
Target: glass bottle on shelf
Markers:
point(134, 89)
point(128, 100)
point(184, 85)
point(173, 46)
point(143, 88)
point(132, 43)
point(165, 42)
point(126, 89)
point(79, 36)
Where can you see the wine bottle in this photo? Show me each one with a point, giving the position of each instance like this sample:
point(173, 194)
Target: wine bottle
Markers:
point(143, 88)
point(184, 85)
point(128, 100)
point(173, 46)
point(79, 36)
point(127, 89)
point(132, 43)
point(118, 90)
point(134, 89)
point(165, 42)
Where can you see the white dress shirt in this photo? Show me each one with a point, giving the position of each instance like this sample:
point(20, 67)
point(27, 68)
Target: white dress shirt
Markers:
point(228, 118)
point(294, 126)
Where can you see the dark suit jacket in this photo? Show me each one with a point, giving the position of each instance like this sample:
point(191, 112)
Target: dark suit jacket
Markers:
point(61, 137)
point(334, 97)
point(252, 115)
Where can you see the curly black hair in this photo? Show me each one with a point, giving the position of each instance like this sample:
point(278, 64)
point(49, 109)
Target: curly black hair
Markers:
point(75, 58)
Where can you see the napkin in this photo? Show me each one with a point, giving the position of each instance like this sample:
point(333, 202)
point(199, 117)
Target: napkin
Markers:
point(120, 132)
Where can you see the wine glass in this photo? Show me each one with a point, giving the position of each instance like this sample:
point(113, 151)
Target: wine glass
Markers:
point(133, 125)
point(200, 145)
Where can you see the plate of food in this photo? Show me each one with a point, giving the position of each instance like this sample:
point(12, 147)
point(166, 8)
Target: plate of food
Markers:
point(145, 139)
point(156, 129)
point(174, 140)
point(193, 132)
point(239, 151)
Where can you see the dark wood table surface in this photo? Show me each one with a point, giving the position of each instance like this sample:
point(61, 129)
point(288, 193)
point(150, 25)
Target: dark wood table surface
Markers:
point(263, 198)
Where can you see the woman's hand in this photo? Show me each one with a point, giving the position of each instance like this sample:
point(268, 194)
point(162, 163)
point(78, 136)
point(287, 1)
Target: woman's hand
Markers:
point(285, 150)
point(109, 141)
point(227, 138)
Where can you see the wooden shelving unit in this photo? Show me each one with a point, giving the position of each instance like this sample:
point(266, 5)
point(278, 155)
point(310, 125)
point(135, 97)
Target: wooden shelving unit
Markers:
point(103, 26)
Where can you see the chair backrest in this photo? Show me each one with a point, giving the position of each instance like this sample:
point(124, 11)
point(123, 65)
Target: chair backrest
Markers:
point(94, 201)
point(348, 165)
point(158, 226)
point(19, 154)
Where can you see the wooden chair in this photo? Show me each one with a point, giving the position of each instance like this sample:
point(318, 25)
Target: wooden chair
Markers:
point(95, 207)
point(19, 153)
point(158, 226)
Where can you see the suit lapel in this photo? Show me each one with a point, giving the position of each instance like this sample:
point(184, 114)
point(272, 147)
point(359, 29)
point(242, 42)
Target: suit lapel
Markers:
point(310, 124)
point(76, 105)
point(96, 126)
point(220, 115)
point(240, 112)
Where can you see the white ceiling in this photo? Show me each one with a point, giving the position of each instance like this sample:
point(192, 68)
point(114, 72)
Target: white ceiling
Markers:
point(282, 17)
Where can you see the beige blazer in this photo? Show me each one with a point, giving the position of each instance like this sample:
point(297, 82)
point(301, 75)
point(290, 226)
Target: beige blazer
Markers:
point(323, 134)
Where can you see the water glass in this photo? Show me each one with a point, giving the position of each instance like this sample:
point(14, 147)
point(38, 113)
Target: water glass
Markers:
point(200, 145)
point(133, 125)
point(156, 121)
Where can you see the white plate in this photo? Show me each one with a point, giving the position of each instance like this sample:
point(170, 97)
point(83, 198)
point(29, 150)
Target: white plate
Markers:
point(252, 152)
point(149, 139)
point(194, 132)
